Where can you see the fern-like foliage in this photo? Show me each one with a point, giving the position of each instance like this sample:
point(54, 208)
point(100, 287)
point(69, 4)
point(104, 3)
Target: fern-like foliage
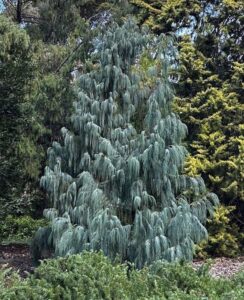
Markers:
point(114, 187)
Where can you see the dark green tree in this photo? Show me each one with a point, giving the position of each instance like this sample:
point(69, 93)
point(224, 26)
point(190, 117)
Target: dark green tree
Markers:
point(19, 128)
point(58, 19)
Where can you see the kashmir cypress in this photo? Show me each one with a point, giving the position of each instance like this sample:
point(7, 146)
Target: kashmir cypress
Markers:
point(117, 185)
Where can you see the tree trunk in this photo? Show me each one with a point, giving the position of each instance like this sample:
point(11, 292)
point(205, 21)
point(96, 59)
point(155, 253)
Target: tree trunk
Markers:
point(19, 11)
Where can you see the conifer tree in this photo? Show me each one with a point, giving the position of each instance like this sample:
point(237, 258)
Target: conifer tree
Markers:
point(116, 181)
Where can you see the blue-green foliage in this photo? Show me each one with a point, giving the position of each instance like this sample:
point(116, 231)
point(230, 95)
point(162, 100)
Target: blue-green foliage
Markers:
point(114, 187)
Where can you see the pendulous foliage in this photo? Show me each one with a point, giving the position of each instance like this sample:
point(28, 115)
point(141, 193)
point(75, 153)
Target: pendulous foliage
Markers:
point(115, 186)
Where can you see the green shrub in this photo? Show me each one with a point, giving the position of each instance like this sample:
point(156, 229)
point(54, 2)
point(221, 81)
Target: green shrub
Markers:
point(19, 228)
point(94, 276)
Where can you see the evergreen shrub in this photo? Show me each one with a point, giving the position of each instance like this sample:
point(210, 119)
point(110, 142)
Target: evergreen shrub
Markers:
point(94, 276)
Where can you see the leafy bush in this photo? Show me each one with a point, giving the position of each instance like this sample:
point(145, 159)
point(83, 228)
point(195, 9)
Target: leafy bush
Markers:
point(19, 228)
point(94, 276)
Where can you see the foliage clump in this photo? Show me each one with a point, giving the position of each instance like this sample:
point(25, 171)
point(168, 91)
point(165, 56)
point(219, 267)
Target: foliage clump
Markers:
point(222, 239)
point(117, 187)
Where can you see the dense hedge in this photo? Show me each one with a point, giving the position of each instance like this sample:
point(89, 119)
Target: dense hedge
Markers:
point(19, 229)
point(93, 276)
